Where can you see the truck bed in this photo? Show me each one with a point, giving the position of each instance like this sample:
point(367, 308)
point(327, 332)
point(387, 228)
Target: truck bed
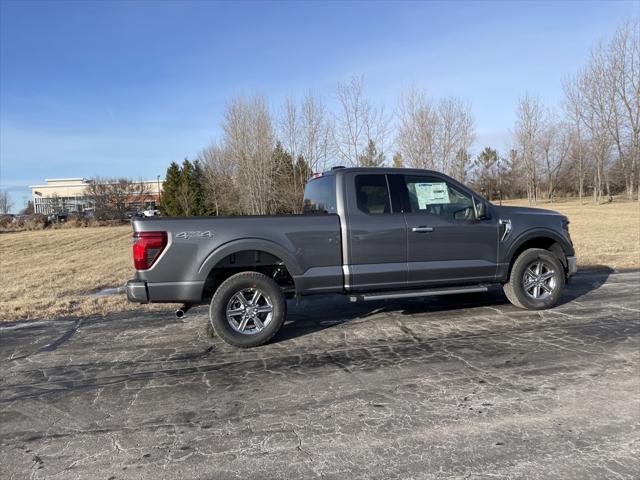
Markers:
point(308, 244)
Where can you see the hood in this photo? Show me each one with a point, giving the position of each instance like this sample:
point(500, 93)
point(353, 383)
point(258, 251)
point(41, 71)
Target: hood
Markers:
point(525, 211)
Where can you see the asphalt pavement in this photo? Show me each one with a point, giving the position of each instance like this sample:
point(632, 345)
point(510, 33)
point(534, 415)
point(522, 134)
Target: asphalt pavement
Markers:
point(464, 386)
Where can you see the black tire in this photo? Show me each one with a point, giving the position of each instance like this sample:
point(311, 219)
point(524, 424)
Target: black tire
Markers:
point(236, 285)
point(515, 289)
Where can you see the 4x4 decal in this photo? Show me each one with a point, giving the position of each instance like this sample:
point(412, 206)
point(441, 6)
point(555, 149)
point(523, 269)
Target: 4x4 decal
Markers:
point(195, 234)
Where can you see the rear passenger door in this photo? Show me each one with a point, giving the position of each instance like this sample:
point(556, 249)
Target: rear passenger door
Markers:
point(447, 244)
point(376, 234)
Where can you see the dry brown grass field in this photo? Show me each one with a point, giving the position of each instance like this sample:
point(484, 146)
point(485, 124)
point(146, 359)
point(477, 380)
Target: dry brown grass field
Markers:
point(47, 274)
point(605, 235)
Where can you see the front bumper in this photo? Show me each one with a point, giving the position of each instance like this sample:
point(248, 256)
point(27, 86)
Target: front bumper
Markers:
point(137, 291)
point(572, 265)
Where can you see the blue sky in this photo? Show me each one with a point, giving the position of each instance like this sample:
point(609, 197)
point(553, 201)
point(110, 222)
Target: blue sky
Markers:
point(123, 88)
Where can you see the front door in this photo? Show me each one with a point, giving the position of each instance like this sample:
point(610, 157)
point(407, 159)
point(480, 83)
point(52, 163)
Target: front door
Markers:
point(376, 235)
point(446, 243)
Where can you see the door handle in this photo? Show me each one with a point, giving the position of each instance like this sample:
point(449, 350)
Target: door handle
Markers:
point(422, 229)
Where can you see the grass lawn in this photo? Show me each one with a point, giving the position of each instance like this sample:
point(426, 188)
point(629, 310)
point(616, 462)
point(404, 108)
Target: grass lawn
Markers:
point(47, 274)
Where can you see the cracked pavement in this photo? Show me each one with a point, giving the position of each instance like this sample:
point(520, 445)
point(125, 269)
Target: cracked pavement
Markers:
point(464, 386)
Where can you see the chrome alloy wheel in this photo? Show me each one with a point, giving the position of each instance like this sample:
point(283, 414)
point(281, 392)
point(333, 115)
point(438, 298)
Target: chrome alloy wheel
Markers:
point(249, 311)
point(538, 280)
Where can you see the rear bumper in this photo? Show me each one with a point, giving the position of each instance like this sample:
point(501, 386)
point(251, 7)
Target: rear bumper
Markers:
point(137, 291)
point(572, 266)
point(140, 291)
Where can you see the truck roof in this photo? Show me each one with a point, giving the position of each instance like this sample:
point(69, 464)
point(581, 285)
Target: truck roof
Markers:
point(336, 170)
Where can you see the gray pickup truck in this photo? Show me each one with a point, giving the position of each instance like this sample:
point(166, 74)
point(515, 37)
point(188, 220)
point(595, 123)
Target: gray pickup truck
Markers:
point(369, 233)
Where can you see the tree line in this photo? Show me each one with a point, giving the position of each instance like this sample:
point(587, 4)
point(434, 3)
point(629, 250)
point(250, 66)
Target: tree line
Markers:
point(589, 144)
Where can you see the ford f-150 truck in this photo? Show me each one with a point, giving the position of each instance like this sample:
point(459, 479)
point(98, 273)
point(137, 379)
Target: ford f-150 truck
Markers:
point(369, 233)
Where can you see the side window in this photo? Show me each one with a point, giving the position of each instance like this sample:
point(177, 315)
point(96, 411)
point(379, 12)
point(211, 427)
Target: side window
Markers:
point(439, 197)
point(372, 194)
point(320, 195)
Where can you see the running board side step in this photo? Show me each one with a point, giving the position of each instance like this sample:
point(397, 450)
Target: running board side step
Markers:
point(366, 297)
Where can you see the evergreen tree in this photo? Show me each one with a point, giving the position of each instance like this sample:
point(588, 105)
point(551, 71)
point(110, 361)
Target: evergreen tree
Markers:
point(488, 176)
point(170, 188)
point(371, 157)
point(487, 158)
point(283, 181)
point(184, 190)
point(197, 181)
point(28, 209)
point(186, 193)
point(397, 160)
point(303, 173)
point(303, 170)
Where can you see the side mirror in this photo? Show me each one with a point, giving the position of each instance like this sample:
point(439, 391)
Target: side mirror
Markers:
point(481, 210)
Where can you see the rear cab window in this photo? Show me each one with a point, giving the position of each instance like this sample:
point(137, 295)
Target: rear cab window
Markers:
point(372, 194)
point(320, 196)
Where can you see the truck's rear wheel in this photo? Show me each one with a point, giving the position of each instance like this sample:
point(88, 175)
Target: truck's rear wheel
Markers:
point(536, 281)
point(247, 310)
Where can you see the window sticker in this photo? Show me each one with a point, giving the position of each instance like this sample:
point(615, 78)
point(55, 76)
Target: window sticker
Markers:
point(431, 193)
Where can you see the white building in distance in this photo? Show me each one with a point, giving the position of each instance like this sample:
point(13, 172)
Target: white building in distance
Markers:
point(70, 195)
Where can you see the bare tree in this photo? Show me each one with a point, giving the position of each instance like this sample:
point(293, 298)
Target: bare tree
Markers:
point(186, 198)
point(289, 126)
point(305, 135)
point(574, 111)
point(555, 147)
point(249, 141)
point(594, 146)
point(316, 131)
point(603, 102)
point(111, 198)
point(289, 129)
point(417, 129)
point(222, 195)
point(454, 134)
point(528, 125)
point(596, 115)
point(357, 122)
point(435, 136)
point(5, 202)
point(624, 72)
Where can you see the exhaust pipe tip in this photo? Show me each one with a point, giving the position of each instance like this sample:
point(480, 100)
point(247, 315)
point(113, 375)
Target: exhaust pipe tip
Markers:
point(182, 311)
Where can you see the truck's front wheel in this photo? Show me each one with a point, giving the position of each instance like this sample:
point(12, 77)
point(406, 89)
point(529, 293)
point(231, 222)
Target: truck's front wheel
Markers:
point(536, 281)
point(247, 310)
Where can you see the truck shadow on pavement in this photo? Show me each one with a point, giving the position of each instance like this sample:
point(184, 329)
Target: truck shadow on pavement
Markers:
point(314, 314)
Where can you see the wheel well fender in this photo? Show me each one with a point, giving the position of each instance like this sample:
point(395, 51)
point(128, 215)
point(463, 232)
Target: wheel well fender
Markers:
point(256, 244)
point(243, 255)
point(539, 238)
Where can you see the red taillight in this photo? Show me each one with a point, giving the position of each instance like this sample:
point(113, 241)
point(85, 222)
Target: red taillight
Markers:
point(147, 247)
